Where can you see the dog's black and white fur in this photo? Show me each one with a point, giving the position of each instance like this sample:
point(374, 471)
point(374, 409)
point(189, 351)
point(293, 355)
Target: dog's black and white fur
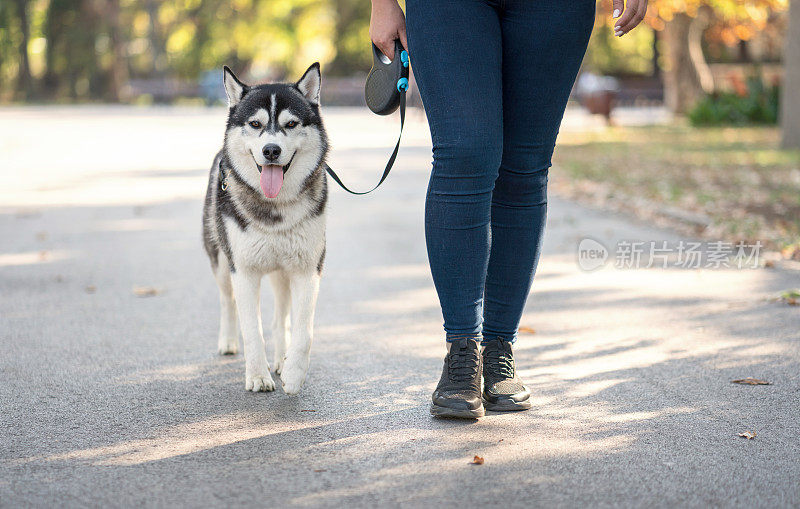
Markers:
point(247, 234)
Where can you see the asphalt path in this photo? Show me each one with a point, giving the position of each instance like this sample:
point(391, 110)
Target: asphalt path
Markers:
point(113, 398)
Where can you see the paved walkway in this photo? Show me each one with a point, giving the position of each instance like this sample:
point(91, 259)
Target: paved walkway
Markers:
point(110, 399)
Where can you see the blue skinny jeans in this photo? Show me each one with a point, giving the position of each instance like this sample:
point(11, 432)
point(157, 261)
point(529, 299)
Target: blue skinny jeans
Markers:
point(495, 76)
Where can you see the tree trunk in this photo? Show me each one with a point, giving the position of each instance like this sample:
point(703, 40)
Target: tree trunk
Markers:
point(119, 64)
point(157, 44)
point(696, 29)
point(348, 15)
point(790, 96)
point(656, 55)
point(24, 80)
point(54, 28)
point(681, 83)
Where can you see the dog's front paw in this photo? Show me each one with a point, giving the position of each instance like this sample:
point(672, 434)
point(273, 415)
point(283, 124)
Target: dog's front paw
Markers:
point(293, 375)
point(259, 383)
point(228, 346)
point(278, 363)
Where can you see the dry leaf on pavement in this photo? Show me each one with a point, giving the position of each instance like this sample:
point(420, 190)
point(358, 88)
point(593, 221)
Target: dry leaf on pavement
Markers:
point(477, 460)
point(791, 297)
point(751, 381)
point(748, 435)
point(527, 330)
point(146, 291)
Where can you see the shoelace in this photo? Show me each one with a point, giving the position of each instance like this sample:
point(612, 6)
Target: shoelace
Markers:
point(463, 364)
point(499, 361)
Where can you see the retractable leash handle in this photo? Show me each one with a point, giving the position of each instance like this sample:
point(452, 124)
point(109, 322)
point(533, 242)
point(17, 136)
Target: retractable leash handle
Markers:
point(384, 92)
point(387, 81)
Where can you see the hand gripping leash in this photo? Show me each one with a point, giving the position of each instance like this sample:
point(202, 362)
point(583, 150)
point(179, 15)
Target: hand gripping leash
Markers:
point(384, 91)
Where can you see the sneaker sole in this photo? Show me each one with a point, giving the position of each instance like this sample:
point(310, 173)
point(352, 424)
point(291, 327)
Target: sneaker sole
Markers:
point(442, 411)
point(507, 405)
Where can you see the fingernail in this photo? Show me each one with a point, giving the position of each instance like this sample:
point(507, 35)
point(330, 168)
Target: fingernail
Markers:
point(616, 13)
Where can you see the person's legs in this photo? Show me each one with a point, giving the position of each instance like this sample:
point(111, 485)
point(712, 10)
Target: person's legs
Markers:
point(455, 48)
point(543, 45)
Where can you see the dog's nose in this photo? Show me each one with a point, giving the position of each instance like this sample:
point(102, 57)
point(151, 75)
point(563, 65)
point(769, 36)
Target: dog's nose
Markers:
point(271, 151)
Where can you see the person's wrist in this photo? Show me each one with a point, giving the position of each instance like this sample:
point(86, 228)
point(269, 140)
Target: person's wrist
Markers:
point(384, 3)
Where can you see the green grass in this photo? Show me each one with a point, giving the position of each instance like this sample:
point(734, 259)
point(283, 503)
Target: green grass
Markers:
point(737, 176)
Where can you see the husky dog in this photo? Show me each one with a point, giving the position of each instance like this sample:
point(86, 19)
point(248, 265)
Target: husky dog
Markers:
point(264, 213)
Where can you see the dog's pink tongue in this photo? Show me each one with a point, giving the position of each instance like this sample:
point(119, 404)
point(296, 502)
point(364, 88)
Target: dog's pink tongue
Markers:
point(271, 180)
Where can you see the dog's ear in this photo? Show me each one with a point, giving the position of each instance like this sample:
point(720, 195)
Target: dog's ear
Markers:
point(309, 83)
point(234, 88)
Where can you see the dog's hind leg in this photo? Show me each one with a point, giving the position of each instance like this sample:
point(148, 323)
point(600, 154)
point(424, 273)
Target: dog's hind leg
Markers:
point(280, 321)
point(246, 287)
point(228, 343)
point(304, 289)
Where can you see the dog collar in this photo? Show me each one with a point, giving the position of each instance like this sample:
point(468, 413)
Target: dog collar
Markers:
point(223, 181)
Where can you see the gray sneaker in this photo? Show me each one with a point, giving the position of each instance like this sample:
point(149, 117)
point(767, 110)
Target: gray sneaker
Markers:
point(459, 391)
point(502, 388)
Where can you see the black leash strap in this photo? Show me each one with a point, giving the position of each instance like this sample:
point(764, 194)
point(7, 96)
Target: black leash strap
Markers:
point(389, 164)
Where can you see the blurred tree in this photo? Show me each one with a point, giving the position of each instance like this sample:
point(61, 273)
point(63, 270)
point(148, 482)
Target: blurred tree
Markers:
point(24, 80)
point(630, 55)
point(119, 61)
point(57, 20)
point(790, 100)
point(88, 49)
point(351, 41)
point(686, 22)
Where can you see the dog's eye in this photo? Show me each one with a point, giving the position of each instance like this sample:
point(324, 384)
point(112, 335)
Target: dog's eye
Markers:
point(255, 124)
point(291, 124)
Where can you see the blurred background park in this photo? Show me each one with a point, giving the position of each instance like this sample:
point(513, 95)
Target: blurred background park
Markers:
point(699, 106)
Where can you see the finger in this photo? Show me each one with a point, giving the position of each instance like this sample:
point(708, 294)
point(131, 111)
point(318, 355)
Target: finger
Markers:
point(403, 39)
point(641, 11)
point(619, 5)
point(386, 47)
point(627, 17)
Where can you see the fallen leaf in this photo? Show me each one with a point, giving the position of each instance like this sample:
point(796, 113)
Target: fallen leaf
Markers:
point(146, 291)
point(90, 288)
point(527, 330)
point(751, 381)
point(748, 435)
point(320, 470)
point(791, 296)
point(477, 460)
point(769, 264)
point(308, 410)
